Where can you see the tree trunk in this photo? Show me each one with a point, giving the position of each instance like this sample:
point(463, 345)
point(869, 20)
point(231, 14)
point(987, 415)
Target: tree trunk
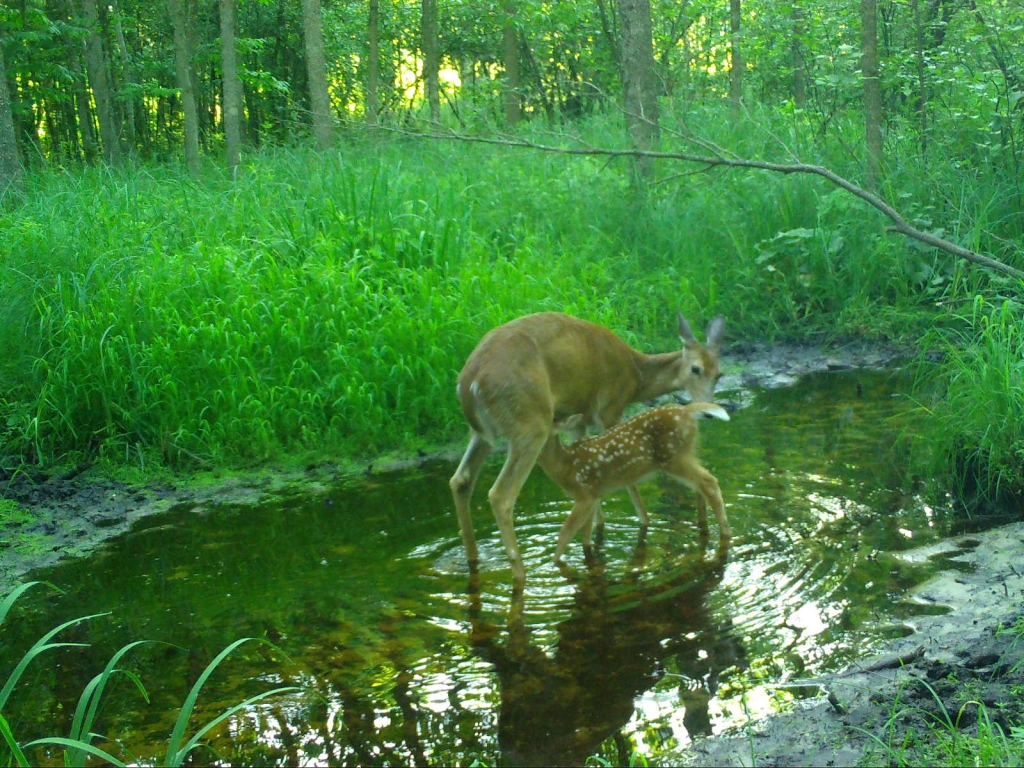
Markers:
point(639, 94)
point(231, 86)
point(872, 92)
point(89, 147)
point(373, 75)
point(96, 64)
point(511, 45)
point(316, 72)
point(796, 52)
point(431, 62)
point(10, 164)
point(129, 105)
point(921, 102)
point(736, 54)
point(183, 69)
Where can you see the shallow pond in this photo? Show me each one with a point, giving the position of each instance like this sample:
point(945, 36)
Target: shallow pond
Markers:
point(407, 660)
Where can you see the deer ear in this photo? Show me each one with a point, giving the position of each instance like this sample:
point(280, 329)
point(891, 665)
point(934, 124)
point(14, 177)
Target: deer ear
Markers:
point(716, 330)
point(685, 333)
point(568, 423)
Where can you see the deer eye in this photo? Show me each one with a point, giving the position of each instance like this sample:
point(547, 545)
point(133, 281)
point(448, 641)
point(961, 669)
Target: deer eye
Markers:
point(695, 370)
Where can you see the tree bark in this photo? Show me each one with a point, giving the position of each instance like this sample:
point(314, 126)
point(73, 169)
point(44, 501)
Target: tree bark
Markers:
point(431, 58)
point(96, 64)
point(639, 94)
point(10, 163)
point(316, 68)
point(373, 74)
point(872, 91)
point(736, 54)
point(231, 85)
point(511, 46)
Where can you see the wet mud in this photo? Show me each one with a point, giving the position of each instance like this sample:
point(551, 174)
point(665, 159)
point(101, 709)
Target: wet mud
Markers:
point(936, 676)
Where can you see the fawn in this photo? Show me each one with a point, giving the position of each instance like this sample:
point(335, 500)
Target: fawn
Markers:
point(662, 439)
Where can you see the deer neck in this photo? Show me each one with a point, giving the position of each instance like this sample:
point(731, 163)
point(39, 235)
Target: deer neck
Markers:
point(658, 374)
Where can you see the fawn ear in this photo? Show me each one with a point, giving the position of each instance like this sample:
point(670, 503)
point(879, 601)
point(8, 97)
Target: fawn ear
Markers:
point(568, 423)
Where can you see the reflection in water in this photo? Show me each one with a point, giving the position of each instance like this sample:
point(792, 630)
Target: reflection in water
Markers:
point(364, 587)
point(559, 709)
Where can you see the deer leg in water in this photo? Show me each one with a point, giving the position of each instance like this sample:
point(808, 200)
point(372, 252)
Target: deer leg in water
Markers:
point(522, 455)
point(582, 516)
point(638, 505)
point(698, 478)
point(462, 484)
point(702, 517)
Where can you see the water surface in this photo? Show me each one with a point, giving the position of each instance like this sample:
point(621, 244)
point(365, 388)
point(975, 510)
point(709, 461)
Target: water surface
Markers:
point(408, 660)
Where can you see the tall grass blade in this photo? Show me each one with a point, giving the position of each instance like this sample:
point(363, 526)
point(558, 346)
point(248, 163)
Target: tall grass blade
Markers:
point(12, 743)
point(175, 754)
point(88, 703)
point(40, 646)
point(60, 741)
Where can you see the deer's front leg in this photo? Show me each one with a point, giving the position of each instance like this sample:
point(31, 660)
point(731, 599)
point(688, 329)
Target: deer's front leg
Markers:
point(638, 505)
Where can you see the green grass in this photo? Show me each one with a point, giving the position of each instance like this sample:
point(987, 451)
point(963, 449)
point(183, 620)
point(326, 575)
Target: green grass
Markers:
point(973, 400)
point(78, 745)
point(323, 303)
point(944, 740)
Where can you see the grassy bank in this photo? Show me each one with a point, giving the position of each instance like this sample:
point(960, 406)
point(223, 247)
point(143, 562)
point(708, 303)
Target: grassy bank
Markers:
point(322, 303)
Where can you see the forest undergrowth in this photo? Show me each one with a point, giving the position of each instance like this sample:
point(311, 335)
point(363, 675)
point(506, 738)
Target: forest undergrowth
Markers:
point(322, 303)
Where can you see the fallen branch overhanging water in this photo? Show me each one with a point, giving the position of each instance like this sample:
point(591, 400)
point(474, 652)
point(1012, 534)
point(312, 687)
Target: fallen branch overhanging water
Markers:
point(899, 225)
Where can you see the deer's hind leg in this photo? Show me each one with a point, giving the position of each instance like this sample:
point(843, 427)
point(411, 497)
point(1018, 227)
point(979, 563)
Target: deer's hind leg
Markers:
point(462, 484)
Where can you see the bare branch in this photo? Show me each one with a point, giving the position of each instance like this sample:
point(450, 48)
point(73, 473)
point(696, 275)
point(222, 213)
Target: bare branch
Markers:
point(899, 223)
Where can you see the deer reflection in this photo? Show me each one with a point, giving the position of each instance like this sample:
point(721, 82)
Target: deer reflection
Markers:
point(557, 711)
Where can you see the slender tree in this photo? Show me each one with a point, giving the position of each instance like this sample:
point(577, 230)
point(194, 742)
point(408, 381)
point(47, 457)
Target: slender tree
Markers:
point(510, 38)
point(373, 74)
point(129, 104)
point(96, 64)
point(183, 71)
point(231, 85)
point(10, 164)
point(921, 102)
point(736, 54)
point(872, 91)
point(431, 58)
point(639, 93)
point(797, 56)
point(82, 109)
point(316, 72)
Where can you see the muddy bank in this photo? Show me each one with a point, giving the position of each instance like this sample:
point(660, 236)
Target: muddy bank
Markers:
point(944, 667)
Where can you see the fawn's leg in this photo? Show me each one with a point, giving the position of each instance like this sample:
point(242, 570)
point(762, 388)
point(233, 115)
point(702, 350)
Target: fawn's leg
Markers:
point(582, 516)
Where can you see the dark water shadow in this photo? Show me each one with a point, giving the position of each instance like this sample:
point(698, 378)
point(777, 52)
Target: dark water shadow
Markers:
point(558, 710)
